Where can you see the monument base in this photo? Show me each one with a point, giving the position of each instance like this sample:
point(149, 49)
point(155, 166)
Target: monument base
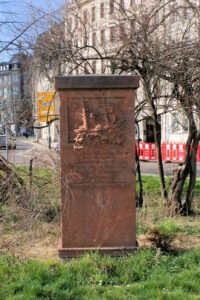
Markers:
point(77, 252)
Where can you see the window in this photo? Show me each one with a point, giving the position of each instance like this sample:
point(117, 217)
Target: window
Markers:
point(76, 21)
point(86, 68)
point(102, 66)
point(132, 3)
point(122, 30)
point(132, 28)
point(186, 124)
point(175, 123)
point(94, 39)
point(102, 37)
point(16, 66)
point(69, 24)
point(25, 91)
point(93, 14)
point(156, 18)
point(174, 14)
point(102, 10)
point(121, 3)
point(5, 92)
point(16, 90)
point(1, 92)
point(111, 7)
point(112, 34)
point(85, 40)
point(187, 12)
point(113, 65)
point(4, 104)
point(6, 78)
point(85, 17)
point(94, 66)
point(71, 69)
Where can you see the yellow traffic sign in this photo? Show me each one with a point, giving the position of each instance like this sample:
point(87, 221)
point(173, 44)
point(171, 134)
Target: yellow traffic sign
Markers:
point(45, 106)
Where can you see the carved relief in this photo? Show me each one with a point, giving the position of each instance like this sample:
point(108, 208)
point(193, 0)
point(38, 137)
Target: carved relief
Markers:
point(94, 121)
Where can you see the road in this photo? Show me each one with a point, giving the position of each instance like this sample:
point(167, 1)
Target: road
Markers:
point(151, 168)
point(27, 149)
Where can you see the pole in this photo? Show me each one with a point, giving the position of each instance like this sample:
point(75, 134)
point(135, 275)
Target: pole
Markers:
point(49, 137)
point(6, 142)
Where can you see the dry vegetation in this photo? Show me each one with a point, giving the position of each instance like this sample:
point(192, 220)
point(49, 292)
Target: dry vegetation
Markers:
point(30, 207)
point(34, 232)
point(30, 269)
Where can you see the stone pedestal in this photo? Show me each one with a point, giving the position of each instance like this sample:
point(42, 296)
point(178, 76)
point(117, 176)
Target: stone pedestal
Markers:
point(97, 153)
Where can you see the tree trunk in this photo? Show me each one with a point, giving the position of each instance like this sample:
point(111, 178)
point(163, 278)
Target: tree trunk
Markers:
point(159, 159)
point(175, 195)
point(139, 202)
point(176, 202)
point(157, 136)
point(193, 171)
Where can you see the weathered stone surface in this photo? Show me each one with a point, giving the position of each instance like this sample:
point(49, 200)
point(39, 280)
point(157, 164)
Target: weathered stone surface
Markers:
point(97, 164)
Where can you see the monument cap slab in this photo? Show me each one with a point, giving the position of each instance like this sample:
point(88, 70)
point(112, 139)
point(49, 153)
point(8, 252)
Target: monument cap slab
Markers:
point(97, 151)
point(97, 82)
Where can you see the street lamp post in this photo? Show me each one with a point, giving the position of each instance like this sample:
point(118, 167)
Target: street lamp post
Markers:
point(6, 141)
point(49, 137)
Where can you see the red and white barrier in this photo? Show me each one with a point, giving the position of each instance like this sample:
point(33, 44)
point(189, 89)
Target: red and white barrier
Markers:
point(198, 154)
point(170, 152)
point(153, 153)
point(140, 148)
point(181, 153)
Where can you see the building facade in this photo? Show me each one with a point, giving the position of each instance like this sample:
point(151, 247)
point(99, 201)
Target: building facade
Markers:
point(99, 30)
point(13, 92)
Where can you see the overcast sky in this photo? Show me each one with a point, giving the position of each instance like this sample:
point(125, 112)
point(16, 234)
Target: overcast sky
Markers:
point(16, 15)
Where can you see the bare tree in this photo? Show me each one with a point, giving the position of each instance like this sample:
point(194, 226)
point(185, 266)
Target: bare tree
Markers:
point(142, 42)
point(181, 68)
point(149, 48)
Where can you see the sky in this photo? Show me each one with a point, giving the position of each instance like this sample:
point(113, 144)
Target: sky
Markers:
point(16, 15)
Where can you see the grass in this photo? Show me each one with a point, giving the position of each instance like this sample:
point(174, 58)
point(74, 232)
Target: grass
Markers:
point(35, 198)
point(151, 184)
point(94, 277)
point(33, 271)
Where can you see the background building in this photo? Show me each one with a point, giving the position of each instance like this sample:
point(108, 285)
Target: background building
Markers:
point(100, 30)
point(14, 93)
point(93, 39)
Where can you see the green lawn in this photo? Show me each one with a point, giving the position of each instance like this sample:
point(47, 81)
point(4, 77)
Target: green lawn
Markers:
point(138, 276)
point(143, 275)
point(151, 184)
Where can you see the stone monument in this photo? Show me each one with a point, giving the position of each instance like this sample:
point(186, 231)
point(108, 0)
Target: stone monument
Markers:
point(97, 156)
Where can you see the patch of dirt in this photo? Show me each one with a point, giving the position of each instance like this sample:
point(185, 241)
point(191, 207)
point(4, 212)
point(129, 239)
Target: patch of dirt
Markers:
point(154, 239)
point(185, 243)
point(39, 242)
point(42, 239)
point(177, 243)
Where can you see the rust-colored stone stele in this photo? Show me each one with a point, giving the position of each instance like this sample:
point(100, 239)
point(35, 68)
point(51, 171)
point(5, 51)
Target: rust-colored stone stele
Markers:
point(97, 164)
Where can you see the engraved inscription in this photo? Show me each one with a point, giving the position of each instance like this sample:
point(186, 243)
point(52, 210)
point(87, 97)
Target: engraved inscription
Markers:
point(98, 174)
point(95, 121)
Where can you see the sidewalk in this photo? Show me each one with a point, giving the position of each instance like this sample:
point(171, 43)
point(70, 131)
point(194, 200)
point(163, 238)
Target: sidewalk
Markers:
point(44, 143)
